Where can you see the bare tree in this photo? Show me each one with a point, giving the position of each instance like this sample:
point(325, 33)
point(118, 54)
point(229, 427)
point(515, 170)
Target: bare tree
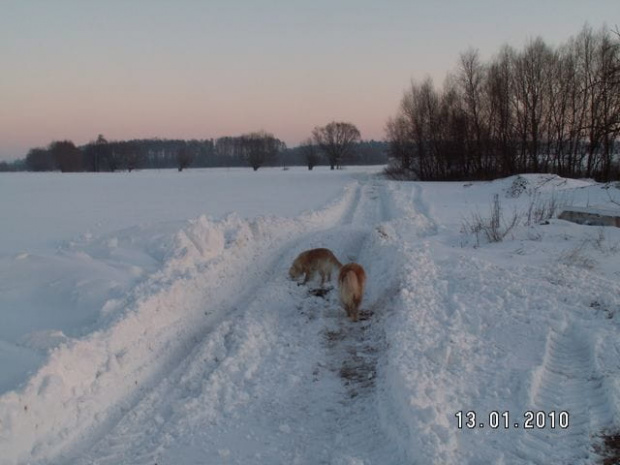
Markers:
point(310, 153)
point(259, 148)
point(67, 156)
point(501, 117)
point(39, 160)
point(401, 145)
point(114, 156)
point(453, 154)
point(608, 100)
point(96, 154)
point(131, 155)
point(561, 81)
point(536, 110)
point(531, 71)
point(184, 157)
point(472, 76)
point(101, 152)
point(336, 140)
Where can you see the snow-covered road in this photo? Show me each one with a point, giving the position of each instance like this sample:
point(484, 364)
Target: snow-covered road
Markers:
point(282, 378)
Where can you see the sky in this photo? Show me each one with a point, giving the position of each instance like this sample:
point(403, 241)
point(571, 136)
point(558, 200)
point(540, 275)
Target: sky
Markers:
point(73, 69)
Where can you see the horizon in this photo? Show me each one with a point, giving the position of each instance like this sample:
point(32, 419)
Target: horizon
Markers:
point(184, 70)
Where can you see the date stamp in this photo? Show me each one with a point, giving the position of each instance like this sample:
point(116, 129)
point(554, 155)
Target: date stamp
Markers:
point(529, 420)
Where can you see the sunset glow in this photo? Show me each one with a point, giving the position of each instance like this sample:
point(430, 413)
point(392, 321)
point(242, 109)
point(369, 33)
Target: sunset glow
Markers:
point(186, 69)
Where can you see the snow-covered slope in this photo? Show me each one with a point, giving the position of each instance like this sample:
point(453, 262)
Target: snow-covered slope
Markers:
point(205, 351)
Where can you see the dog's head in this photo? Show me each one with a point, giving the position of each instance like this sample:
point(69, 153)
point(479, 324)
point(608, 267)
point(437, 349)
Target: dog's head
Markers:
point(295, 271)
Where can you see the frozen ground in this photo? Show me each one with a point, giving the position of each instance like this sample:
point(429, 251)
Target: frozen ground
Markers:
point(157, 328)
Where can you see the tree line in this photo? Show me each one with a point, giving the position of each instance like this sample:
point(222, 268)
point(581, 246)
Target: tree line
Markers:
point(255, 149)
point(333, 144)
point(539, 109)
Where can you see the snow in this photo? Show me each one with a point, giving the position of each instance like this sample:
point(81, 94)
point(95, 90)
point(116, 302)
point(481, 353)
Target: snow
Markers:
point(74, 245)
point(148, 318)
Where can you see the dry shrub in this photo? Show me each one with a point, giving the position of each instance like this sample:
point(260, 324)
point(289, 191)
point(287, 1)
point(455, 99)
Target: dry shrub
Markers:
point(578, 257)
point(494, 228)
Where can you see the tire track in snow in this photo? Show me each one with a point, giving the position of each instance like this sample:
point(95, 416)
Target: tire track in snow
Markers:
point(425, 222)
point(354, 353)
point(354, 350)
point(406, 212)
point(566, 381)
point(354, 206)
point(366, 212)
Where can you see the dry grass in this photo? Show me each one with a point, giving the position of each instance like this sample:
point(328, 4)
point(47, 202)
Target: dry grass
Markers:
point(495, 227)
point(577, 256)
point(540, 210)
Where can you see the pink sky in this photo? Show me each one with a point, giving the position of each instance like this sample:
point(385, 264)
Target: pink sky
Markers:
point(187, 69)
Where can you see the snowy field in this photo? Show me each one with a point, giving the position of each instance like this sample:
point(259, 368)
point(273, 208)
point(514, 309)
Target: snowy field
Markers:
point(148, 318)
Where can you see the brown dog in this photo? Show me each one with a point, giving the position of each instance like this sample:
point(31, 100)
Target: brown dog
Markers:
point(313, 261)
point(351, 281)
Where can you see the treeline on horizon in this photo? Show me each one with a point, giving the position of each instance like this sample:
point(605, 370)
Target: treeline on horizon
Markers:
point(254, 150)
point(539, 109)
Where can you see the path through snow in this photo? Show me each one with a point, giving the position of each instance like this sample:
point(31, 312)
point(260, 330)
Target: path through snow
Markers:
point(282, 378)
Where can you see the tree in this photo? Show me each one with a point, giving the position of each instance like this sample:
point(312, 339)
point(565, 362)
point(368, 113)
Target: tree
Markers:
point(336, 140)
point(67, 156)
point(114, 158)
point(258, 148)
point(532, 71)
point(96, 154)
point(501, 117)
point(184, 157)
point(400, 144)
point(102, 152)
point(472, 75)
point(536, 110)
point(608, 100)
point(310, 153)
point(39, 160)
point(131, 155)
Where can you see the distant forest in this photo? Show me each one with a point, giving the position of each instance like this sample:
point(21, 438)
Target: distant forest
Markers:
point(254, 150)
point(539, 109)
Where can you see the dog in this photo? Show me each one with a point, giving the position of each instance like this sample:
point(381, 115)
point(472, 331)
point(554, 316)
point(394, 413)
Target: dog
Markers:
point(351, 282)
point(313, 261)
